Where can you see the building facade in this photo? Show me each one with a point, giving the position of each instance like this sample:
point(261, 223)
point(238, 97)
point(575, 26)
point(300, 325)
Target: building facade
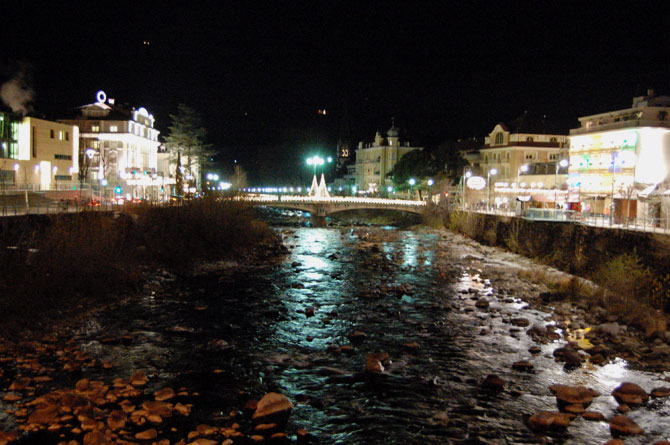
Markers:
point(120, 148)
point(615, 156)
point(521, 160)
point(38, 154)
point(376, 160)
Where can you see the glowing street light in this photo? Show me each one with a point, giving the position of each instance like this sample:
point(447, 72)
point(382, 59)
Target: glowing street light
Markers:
point(489, 173)
point(523, 168)
point(412, 181)
point(562, 163)
point(314, 161)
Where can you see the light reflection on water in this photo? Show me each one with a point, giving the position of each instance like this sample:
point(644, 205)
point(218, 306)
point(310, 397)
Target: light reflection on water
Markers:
point(339, 273)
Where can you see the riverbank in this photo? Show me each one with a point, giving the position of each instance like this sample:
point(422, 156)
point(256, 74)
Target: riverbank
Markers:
point(59, 264)
point(374, 335)
point(629, 270)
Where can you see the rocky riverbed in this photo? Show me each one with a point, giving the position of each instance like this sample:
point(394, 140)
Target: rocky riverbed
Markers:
point(355, 335)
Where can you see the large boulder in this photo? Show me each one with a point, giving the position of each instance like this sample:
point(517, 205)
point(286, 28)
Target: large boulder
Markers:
point(273, 408)
point(630, 394)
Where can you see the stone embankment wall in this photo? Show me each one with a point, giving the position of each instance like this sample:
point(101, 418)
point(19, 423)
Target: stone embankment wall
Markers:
point(572, 247)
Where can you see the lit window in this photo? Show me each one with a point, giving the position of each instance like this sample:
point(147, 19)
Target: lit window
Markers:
point(499, 138)
point(113, 128)
point(95, 128)
point(61, 135)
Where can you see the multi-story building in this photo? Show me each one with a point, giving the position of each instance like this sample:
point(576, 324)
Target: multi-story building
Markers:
point(38, 154)
point(120, 145)
point(523, 159)
point(614, 156)
point(375, 160)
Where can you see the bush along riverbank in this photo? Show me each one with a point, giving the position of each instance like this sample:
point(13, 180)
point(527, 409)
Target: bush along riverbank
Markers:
point(618, 296)
point(54, 265)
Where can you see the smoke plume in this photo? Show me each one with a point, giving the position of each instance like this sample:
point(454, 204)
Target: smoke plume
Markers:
point(17, 93)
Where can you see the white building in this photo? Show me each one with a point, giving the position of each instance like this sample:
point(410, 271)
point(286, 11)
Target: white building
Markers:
point(121, 147)
point(37, 154)
point(615, 156)
point(375, 160)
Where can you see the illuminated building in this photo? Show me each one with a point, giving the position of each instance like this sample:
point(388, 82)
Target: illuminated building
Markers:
point(375, 160)
point(121, 144)
point(525, 157)
point(37, 154)
point(615, 156)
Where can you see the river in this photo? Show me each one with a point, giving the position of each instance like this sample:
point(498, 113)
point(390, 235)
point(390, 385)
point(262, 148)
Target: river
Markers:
point(237, 332)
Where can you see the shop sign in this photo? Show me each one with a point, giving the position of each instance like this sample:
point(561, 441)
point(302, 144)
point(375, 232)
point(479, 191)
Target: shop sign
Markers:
point(476, 182)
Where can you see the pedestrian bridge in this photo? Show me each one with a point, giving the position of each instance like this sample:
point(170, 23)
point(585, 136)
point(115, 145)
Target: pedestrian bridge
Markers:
point(322, 206)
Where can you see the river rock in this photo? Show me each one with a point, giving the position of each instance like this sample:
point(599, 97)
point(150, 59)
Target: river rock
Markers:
point(164, 394)
point(273, 408)
point(630, 394)
point(612, 329)
point(568, 355)
point(593, 416)
point(621, 425)
point(373, 363)
point(149, 434)
point(493, 383)
point(95, 438)
point(661, 392)
point(572, 395)
point(116, 420)
point(482, 303)
point(523, 366)
point(546, 420)
point(521, 322)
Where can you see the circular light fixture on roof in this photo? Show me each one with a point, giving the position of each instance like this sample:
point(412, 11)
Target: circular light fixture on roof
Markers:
point(101, 97)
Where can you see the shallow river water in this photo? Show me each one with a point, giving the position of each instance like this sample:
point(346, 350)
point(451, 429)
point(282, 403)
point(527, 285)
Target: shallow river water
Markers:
point(240, 333)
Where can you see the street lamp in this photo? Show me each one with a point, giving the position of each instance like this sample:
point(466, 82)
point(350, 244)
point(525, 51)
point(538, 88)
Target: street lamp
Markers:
point(489, 173)
point(523, 168)
point(464, 185)
point(412, 181)
point(562, 163)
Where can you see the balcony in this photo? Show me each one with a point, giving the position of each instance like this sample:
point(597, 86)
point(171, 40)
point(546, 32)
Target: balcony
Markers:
point(621, 124)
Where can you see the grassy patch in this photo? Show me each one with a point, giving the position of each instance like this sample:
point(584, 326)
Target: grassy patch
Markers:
point(79, 260)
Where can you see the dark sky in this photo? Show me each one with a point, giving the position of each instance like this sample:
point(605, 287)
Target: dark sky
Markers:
point(259, 71)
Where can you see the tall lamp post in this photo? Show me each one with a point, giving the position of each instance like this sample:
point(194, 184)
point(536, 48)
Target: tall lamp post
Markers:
point(562, 163)
point(430, 188)
point(523, 168)
point(412, 181)
point(464, 184)
point(489, 173)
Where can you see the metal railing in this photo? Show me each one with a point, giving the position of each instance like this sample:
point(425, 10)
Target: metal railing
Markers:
point(653, 225)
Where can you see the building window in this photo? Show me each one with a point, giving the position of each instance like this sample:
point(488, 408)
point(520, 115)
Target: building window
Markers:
point(63, 157)
point(61, 135)
point(553, 140)
point(51, 133)
point(113, 128)
point(529, 139)
point(529, 156)
point(553, 156)
point(95, 128)
point(67, 135)
point(499, 138)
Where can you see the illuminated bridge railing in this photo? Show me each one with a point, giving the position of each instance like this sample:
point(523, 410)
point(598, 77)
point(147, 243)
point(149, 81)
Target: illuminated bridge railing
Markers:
point(333, 200)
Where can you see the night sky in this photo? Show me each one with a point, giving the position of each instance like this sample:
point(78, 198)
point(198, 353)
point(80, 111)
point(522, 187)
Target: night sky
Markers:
point(259, 71)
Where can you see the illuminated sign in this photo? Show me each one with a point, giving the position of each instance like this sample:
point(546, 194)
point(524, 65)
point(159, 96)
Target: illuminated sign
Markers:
point(101, 97)
point(476, 182)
